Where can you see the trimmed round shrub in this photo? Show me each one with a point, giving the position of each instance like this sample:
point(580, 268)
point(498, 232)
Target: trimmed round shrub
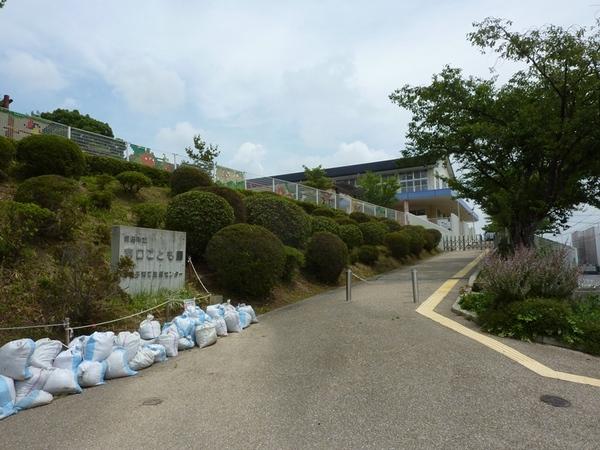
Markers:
point(186, 178)
point(398, 243)
point(360, 217)
point(97, 165)
point(101, 199)
point(248, 259)
point(322, 211)
point(417, 239)
point(345, 220)
point(150, 215)
point(20, 223)
point(391, 225)
point(368, 254)
point(200, 215)
point(307, 207)
point(281, 216)
point(104, 181)
point(7, 152)
point(373, 232)
point(48, 191)
point(351, 235)
point(47, 154)
point(321, 223)
point(433, 238)
point(132, 181)
point(294, 260)
point(233, 197)
point(326, 257)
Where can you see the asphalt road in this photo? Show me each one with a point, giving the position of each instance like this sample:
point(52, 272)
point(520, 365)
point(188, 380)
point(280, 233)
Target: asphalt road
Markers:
point(324, 373)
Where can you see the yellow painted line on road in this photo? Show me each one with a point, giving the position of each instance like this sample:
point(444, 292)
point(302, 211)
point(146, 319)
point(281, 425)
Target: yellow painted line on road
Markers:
point(427, 309)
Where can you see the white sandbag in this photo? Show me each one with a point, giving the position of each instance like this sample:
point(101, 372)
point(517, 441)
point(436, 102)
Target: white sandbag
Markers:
point(220, 326)
point(68, 359)
point(33, 400)
point(147, 341)
point(130, 342)
point(232, 319)
point(7, 397)
point(45, 352)
point(206, 334)
point(62, 381)
point(118, 365)
point(98, 346)
point(15, 357)
point(78, 343)
point(158, 351)
point(149, 328)
point(245, 319)
point(249, 310)
point(185, 343)
point(144, 358)
point(215, 311)
point(227, 306)
point(91, 373)
point(169, 342)
point(185, 326)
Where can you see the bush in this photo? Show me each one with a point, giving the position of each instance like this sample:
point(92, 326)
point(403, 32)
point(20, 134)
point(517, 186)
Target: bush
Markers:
point(530, 318)
point(321, 223)
point(186, 178)
point(98, 165)
point(104, 181)
point(373, 232)
point(345, 220)
point(326, 257)
point(233, 197)
point(7, 152)
point(360, 217)
point(391, 225)
point(248, 259)
point(284, 218)
point(132, 181)
point(200, 215)
point(294, 260)
point(351, 235)
point(433, 238)
point(20, 223)
point(101, 199)
point(368, 254)
point(416, 238)
point(398, 243)
point(529, 273)
point(48, 154)
point(307, 207)
point(150, 215)
point(323, 211)
point(478, 302)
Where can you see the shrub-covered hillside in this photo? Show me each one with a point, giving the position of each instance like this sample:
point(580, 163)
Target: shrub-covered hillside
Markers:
point(58, 206)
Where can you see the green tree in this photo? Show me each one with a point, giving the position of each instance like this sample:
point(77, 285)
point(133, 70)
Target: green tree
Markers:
point(317, 178)
point(528, 148)
point(77, 120)
point(203, 155)
point(378, 190)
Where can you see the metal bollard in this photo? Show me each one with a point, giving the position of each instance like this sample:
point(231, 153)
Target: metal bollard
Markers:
point(415, 285)
point(348, 285)
point(67, 325)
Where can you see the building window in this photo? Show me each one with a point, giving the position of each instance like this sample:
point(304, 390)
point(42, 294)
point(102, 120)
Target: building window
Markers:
point(413, 181)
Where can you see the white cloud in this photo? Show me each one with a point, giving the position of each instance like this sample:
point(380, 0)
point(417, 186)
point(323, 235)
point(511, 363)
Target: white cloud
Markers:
point(249, 158)
point(69, 103)
point(177, 138)
point(37, 74)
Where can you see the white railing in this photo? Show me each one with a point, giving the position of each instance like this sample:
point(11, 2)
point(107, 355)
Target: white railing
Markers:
point(416, 220)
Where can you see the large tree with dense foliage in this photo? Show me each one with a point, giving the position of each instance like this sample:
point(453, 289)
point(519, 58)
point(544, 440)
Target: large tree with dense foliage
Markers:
point(77, 120)
point(317, 178)
point(378, 190)
point(527, 149)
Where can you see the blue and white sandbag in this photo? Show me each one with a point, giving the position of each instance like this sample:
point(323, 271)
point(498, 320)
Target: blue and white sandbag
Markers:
point(249, 310)
point(215, 311)
point(45, 352)
point(143, 358)
point(206, 334)
point(15, 359)
point(69, 359)
point(232, 320)
point(159, 351)
point(98, 346)
point(30, 392)
point(117, 364)
point(7, 397)
point(149, 328)
point(131, 342)
point(245, 319)
point(62, 381)
point(220, 326)
point(169, 342)
point(91, 373)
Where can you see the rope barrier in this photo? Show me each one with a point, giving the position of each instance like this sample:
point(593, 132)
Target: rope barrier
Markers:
point(197, 276)
point(33, 326)
point(362, 279)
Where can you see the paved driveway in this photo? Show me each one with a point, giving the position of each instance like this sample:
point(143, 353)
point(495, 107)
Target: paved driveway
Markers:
point(324, 373)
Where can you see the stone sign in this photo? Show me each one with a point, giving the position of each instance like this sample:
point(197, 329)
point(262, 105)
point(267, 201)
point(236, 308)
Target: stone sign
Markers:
point(158, 255)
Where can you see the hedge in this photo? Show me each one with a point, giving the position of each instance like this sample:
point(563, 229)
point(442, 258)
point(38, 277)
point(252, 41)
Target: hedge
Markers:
point(322, 223)
point(398, 243)
point(150, 215)
point(323, 211)
point(233, 197)
point(98, 165)
point(373, 232)
point(294, 260)
point(351, 235)
point(7, 152)
point(186, 178)
point(360, 217)
point(391, 225)
point(326, 257)
point(132, 181)
point(47, 154)
point(368, 254)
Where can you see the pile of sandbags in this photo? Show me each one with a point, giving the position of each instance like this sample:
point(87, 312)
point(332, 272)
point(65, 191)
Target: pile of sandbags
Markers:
point(32, 373)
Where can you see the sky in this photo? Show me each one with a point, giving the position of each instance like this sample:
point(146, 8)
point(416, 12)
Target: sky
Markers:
point(276, 84)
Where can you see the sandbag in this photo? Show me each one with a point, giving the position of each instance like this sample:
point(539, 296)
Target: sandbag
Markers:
point(78, 343)
point(68, 359)
point(62, 381)
point(118, 365)
point(130, 342)
point(7, 397)
point(149, 328)
point(249, 310)
point(185, 343)
point(158, 351)
point(144, 358)
point(220, 326)
point(185, 326)
point(91, 373)
point(169, 342)
point(215, 311)
point(98, 346)
point(147, 341)
point(206, 334)
point(29, 393)
point(45, 352)
point(15, 357)
point(232, 320)
point(245, 319)
point(33, 400)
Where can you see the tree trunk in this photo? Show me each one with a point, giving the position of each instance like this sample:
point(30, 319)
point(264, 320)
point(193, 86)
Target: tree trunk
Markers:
point(522, 234)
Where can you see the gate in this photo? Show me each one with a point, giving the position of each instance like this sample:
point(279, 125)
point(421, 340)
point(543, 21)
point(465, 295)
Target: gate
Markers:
point(463, 243)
